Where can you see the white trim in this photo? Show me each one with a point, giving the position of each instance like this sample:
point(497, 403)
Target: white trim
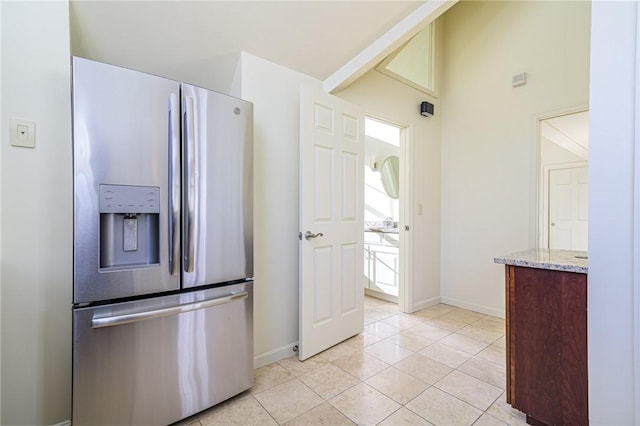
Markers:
point(543, 234)
point(636, 231)
point(380, 295)
point(554, 134)
point(405, 295)
point(386, 44)
point(275, 355)
point(65, 423)
point(538, 194)
point(473, 307)
point(405, 242)
point(562, 111)
point(425, 304)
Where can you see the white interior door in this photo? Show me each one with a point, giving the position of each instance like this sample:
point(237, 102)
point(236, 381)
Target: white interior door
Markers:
point(331, 221)
point(568, 208)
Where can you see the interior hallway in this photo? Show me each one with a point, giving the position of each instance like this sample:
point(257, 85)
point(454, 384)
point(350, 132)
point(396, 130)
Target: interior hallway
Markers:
point(442, 366)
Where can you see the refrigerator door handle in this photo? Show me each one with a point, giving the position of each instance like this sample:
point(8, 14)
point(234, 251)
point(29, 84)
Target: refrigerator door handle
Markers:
point(190, 184)
point(164, 312)
point(174, 182)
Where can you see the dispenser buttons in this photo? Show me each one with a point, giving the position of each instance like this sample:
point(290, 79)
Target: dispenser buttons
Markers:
point(129, 199)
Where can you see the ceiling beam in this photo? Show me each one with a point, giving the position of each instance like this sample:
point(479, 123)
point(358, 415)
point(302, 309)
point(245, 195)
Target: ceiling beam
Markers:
point(558, 137)
point(386, 44)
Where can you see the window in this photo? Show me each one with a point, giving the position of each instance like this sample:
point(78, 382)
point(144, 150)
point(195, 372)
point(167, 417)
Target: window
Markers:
point(414, 63)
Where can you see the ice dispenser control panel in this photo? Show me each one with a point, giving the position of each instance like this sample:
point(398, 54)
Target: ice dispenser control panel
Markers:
point(129, 199)
point(129, 227)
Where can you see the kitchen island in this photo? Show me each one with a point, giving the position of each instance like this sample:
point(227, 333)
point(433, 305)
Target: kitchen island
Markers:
point(546, 335)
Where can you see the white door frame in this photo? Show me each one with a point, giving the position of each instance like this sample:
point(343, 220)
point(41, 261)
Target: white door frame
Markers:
point(405, 226)
point(405, 292)
point(544, 208)
point(539, 225)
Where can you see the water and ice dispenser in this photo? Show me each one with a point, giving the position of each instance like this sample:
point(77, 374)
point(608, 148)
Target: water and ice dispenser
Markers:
point(129, 226)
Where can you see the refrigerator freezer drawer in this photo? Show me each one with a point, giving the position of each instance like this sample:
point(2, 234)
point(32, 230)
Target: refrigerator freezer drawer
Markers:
point(159, 360)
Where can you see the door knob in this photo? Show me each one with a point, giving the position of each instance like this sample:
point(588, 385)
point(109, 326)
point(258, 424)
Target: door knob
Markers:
point(309, 235)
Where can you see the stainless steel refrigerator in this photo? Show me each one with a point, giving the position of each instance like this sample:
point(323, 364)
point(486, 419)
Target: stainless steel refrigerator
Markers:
point(163, 247)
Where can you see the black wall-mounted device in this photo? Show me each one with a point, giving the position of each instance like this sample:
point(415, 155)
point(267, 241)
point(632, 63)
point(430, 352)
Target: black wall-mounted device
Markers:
point(426, 109)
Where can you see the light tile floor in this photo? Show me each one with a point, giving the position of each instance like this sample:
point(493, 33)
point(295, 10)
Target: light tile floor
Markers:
point(439, 366)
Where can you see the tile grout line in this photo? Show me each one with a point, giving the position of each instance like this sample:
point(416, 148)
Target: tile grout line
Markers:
point(472, 356)
point(389, 322)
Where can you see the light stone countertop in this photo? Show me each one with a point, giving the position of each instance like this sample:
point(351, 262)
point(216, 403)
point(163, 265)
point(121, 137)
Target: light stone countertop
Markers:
point(556, 260)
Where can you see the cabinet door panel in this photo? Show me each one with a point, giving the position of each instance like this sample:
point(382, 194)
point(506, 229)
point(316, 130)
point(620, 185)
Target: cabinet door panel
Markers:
point(547, 345)
point(385, 269)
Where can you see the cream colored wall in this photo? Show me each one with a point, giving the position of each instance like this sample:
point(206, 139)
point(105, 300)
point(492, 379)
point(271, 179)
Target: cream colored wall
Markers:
point(36, 216)
point(217, 73)
point(385, 98)
point(488, 131)
point(220, 73)
point(275, 92)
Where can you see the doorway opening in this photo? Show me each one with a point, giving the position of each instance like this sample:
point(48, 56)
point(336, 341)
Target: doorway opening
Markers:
point(563, 142)
point(383, 277)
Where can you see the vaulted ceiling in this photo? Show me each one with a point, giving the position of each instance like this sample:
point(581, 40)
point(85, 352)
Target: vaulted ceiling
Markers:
point(313, 37)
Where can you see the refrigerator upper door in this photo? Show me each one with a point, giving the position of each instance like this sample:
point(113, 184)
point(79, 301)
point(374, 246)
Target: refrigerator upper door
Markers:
point(217, 187)
point(126, 156)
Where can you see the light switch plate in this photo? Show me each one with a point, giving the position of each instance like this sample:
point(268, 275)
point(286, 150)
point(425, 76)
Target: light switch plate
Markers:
point(22, 133)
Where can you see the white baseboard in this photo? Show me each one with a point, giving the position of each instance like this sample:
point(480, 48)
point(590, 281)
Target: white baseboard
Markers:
point(65, 423)
point(275, 355)
point(425, 304)
point(380, 295)
point(473, 307)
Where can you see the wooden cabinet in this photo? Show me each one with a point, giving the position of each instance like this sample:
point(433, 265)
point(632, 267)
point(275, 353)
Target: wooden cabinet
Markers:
point(546, 332)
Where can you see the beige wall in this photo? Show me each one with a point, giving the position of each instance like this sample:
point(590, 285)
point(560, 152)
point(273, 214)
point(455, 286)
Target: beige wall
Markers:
point(385, 98)
point(275, 92)
point(488, 131)
point(36, 215)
